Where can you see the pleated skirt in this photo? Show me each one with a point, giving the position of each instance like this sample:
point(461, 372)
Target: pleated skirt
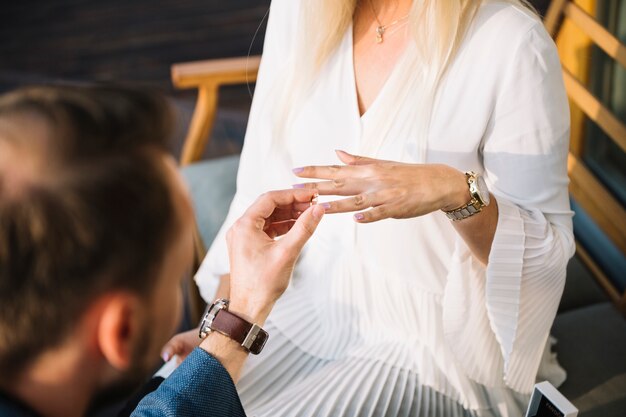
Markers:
point(286, 381)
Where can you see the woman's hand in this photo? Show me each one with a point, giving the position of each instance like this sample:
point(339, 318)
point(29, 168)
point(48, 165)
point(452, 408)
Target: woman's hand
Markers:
point(388, 189)
point(182, 344)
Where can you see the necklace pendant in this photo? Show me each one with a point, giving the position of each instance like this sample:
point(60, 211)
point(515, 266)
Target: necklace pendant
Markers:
point(380, 30)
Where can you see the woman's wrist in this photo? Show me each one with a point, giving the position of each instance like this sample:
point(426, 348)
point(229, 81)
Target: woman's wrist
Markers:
point(456, 190)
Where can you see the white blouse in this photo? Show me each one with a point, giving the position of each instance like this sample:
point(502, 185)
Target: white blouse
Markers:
point(407, 297)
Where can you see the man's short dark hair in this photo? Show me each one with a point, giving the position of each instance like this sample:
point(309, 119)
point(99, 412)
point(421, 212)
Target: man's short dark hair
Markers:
point(93, 214)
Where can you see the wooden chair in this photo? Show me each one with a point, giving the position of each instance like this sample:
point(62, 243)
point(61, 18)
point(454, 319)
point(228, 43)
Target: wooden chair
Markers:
point(207, 77)
point(585, 187)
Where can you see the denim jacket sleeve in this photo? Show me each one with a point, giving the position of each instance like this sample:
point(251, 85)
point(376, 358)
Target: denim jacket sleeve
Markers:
point(200, 386)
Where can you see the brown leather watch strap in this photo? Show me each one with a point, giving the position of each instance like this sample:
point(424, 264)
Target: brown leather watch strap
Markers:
point(231, 325)
point(240, 330)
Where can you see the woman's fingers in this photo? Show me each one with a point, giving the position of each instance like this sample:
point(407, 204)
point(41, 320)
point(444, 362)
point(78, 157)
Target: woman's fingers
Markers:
point(356, 166)
point(358, 202)
point(332, 172)
point(339, 186)
point(374, 214)
point(349, 159)
point(181, 344)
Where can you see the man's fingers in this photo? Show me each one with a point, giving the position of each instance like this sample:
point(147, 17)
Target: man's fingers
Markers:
point(301, 207)
point(282, 214)
point(303, 229)
point(265, 205)
point(278, 229)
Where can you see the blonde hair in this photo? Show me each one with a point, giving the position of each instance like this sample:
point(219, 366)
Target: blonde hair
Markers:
point(437, 26)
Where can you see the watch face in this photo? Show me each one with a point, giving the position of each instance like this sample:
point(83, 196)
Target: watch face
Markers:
point(483, 192)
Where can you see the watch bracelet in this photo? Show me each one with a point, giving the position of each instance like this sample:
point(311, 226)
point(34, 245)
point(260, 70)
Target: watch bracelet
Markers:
point(465, 211)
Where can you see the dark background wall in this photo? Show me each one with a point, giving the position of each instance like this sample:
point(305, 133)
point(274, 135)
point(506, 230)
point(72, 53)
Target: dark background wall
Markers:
point(135, 41)
point(132, 40)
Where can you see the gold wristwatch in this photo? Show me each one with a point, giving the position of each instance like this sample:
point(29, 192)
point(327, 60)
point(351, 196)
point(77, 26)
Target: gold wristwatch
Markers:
point(479, 198)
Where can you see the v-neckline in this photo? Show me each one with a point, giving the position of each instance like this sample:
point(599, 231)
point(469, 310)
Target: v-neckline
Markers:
point(355, 91)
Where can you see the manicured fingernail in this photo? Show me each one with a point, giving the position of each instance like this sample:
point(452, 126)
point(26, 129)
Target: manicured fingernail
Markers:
point(297, 170)
point(325, 205)
point(298, 186)
point(359, 216)
point(166, 356)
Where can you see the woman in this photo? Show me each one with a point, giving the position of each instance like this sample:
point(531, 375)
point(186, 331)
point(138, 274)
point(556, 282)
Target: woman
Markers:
point(394, 308)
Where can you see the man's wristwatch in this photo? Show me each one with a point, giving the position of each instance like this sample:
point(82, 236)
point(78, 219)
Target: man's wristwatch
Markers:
point(217, 318)
point(479, 198)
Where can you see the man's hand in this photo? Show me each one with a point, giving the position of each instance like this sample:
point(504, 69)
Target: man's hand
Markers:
point(260, 264)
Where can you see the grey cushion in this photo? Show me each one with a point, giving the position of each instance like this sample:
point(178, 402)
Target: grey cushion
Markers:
point(581, 288)
point(592, 349)
point(212, 184)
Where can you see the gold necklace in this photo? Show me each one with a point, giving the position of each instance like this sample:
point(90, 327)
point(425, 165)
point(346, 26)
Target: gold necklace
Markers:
point(380, 29)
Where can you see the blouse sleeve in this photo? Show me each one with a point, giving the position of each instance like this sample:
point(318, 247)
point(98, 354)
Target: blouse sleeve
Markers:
point(276, 48)
point(497, 319)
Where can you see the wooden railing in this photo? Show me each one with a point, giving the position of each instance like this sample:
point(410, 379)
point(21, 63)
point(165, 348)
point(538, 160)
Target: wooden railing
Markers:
point(586, 189)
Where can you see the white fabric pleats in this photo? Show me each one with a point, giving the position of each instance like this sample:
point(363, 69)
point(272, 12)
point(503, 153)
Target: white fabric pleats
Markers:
point(398, 317)
point(353, 386)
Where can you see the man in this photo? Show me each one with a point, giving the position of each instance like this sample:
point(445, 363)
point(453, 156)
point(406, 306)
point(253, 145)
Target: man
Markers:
point(95, 239)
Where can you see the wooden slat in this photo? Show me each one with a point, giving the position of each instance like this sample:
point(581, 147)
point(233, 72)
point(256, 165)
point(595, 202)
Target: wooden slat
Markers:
point(554, 17)
point(595, 110)
point(607, 212)
point(201, 124)
point(216, 71)
point(602, 37)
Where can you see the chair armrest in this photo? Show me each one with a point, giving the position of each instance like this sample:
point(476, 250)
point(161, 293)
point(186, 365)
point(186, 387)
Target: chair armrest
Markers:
point(207, 76)
point(215, 71)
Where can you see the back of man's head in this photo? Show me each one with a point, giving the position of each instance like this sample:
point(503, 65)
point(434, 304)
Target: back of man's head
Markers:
point(85, 207)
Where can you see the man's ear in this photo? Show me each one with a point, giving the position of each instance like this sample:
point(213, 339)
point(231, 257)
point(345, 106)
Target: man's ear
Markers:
point(118, 329)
